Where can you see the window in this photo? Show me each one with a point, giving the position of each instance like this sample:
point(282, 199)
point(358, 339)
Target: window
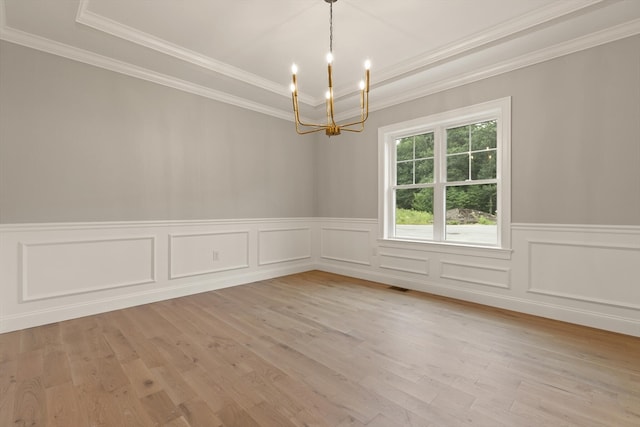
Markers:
point(446, 178)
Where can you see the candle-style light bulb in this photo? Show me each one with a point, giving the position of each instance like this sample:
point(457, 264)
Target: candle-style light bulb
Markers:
point(329, 57)
point(362, 85)
point(327, 95)
point(293, 87)
point(294, 69)
point(367, 66)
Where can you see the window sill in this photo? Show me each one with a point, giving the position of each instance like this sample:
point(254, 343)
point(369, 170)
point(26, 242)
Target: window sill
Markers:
point(449, 248)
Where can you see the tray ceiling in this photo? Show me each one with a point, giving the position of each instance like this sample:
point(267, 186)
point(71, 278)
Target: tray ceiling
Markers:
point(240, 52)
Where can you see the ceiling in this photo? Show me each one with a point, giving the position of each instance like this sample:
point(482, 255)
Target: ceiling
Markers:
point(240, 51)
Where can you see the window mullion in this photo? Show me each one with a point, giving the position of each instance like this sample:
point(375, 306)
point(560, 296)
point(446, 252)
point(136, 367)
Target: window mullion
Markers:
point(439, 215)
point(413, 162)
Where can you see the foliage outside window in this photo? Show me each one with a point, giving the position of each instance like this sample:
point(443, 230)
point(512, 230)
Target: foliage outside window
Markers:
point(445, 177)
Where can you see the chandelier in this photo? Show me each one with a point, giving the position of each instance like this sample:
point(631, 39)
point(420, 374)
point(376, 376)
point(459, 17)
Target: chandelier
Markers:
point(332, 128)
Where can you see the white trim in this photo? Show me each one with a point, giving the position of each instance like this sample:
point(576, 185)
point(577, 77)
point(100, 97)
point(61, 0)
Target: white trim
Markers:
point(506, 29)
point(580, 316)
point(76, 54)
point(448, 248)
point(63, 312)
point(518, 25)
point(283, 260)
point(576, 244)
point(606, 309)
point(23, 278)
point(618, 32)
point(478, 282)
point(347, 229)
point(52, 226)
point(98, 22)
point(540, 16)
point(580, 228)
point(359, 230)
point(173, 236)
point(425, 260)
point(600, 301)
point(531, 242)
point(500, 110)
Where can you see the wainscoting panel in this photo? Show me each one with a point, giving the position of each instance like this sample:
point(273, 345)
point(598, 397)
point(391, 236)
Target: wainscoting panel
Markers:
point(284, 245)
point(203, 253)
point(597, 273)
point(349, 245)
point(403, 260)
point(476, 274)
point(404, 263)
point(56, 269)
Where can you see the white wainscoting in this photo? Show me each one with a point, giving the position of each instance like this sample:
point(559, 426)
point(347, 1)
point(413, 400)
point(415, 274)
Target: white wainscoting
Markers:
point(476, 274)
point(403, 262)
point(587, 275)
point(79, 266)
point(54, 272)
point(585, 272)
point(351, 245)
point(194, 254)
point(280, 245)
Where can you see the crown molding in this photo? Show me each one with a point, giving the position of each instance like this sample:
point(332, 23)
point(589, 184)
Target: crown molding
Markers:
point(101, 23)
point(60, 49)
point(506, 29)
point(621, 31)
point(539, 16)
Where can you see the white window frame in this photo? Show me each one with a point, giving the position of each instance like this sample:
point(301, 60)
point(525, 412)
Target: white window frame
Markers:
point(500, 110)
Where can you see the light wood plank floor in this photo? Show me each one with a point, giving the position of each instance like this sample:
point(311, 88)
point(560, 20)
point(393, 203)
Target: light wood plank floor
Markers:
point(317, 349)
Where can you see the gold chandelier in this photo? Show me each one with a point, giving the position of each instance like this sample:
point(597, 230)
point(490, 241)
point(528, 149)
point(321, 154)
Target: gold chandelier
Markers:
point(331, 127)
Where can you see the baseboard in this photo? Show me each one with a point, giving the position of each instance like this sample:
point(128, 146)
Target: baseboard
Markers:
point(60, 313)
point(594, 319)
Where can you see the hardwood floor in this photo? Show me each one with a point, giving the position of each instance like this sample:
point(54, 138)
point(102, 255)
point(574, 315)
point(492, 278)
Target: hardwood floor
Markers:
point(317, 349)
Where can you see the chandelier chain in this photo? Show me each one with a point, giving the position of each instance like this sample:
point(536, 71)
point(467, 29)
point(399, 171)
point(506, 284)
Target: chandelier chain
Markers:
point(331, 27)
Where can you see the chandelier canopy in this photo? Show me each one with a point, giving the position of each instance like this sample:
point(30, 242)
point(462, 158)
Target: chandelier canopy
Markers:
point(332, 128)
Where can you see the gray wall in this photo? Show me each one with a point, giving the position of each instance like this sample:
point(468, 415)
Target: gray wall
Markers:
point(79, 143)
point(575, 141)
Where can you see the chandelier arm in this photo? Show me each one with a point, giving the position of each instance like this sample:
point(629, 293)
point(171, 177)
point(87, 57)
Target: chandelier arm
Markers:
point(297, 116)
point(333, 121)
point(347, 125)
point(330, 103)
point(363, 117)
point(352, 130)
point(307, 131)
point(310, 125)
point(359, 122)
point(298, 122)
